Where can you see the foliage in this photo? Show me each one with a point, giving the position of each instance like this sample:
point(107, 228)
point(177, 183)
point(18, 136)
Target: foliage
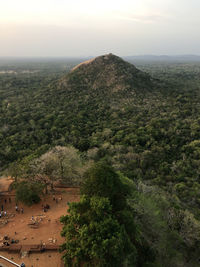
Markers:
point(93, 236)
point(100, 229)
point(149, 134)
point(60, 163)
point(28, 193)
point(101, 180)
point(172, 233)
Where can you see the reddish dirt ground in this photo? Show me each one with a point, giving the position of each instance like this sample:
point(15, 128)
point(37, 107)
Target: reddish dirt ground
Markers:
point(5, 184)
point(49, 226)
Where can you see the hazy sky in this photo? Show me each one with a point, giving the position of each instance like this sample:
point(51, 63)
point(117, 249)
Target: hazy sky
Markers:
point(91, 27)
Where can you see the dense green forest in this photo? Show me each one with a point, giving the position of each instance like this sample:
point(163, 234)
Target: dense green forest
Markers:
point(147, 127)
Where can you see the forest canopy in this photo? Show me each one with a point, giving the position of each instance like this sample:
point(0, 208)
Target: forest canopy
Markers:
point(148, 131)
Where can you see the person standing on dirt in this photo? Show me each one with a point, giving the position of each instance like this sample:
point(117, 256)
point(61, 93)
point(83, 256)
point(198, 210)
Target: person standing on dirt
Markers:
point(16, 207)
point(22, 210)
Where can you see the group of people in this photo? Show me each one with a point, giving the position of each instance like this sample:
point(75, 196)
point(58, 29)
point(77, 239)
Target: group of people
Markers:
point(3, 213)
point(45, 207)
point(19, 210)
point(57, 199)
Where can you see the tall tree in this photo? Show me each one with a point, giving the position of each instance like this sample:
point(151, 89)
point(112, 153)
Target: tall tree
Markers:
point(59, 163)
point(93, 235)
point(100, 229)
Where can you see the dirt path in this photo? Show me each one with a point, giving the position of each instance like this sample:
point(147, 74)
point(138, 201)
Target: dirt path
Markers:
point(49, 226)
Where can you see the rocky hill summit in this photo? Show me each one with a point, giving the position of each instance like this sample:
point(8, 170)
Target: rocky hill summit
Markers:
point(107, 72)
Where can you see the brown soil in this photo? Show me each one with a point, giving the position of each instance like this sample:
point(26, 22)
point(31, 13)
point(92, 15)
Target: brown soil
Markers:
point(5, 183)
point(49, 226)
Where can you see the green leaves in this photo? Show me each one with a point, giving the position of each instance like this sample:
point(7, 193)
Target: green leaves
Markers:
point(93, 236)
point(28, 193)
point(96, 230)
point(101, 180)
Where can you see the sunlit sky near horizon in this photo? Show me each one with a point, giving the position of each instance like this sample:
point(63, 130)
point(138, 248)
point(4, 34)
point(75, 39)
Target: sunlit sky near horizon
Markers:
point(91, 27)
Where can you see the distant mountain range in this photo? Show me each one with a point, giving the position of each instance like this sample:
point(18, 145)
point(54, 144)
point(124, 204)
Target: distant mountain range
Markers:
point(164, 58)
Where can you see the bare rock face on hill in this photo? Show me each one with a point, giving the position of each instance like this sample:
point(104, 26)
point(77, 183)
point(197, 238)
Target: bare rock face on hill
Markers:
point(108, 73)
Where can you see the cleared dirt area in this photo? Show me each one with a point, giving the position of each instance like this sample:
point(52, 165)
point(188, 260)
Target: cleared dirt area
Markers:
point(5, 183)
point(34, 226)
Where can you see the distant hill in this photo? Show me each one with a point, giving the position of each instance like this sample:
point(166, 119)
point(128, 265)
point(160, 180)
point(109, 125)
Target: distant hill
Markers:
point(107, 72)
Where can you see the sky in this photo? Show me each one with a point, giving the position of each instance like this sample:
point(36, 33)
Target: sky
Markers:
point(74, 28)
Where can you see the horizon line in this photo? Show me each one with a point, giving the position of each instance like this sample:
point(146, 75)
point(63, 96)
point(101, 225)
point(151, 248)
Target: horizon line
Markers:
point(91, 56)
